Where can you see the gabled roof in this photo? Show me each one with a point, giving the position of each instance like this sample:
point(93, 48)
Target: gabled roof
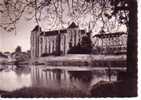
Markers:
point(73, 25)
point(109, 35)
point(36, 28)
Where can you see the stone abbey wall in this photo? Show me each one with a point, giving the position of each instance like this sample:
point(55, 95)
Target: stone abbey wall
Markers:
point(56, 42)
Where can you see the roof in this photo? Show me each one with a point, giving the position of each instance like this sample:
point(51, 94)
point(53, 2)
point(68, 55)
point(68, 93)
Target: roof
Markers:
point(109, 35)
point(73, 25)
point(52, 33)
point(55, 32)
point(36, 28)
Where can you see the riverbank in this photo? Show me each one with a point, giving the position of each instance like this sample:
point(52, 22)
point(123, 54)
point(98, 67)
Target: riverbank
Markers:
point(100, 89)
point(122, 88)
point(82, 60)
point(76, 60)
point(35, 92)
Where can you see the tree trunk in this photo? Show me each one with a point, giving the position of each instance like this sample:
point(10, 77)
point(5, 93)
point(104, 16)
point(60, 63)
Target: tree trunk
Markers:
point(132, 47)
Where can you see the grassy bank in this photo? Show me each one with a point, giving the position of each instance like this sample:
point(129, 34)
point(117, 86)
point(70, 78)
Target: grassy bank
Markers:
point(77, 60)
point(124, 88)
point(42, 92)
point(100, 89)
point(83, 60)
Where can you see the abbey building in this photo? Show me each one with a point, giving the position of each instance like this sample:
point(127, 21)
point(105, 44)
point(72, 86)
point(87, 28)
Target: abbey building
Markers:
point(56, 42)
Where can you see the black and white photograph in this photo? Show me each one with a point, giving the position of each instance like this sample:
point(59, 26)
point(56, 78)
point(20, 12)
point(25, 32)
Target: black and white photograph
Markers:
point(68, 48)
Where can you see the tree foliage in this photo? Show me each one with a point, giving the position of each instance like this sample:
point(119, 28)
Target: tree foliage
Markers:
point(18, 49)
point(83, 47)
point(58, 13)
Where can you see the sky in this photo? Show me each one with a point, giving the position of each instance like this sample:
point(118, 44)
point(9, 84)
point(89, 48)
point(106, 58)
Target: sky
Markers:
point(9, 40)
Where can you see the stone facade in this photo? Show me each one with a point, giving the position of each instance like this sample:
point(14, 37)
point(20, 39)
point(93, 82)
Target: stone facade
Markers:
point(111, 43)
point(56, 42)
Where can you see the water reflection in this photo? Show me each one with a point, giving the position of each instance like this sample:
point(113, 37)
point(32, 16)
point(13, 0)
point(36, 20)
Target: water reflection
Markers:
point(84, 76)
point(12, 78)
point(20, 71)
point(52, 78)
point(56, 79)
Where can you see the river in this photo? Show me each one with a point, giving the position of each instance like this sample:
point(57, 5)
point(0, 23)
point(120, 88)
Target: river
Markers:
point(54, 78)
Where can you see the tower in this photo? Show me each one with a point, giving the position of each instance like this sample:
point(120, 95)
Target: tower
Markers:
point(35, 41)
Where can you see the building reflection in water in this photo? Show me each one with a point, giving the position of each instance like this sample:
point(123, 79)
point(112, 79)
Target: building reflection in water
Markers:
point(83, 76)
point(51, 78)
point(56, 79)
